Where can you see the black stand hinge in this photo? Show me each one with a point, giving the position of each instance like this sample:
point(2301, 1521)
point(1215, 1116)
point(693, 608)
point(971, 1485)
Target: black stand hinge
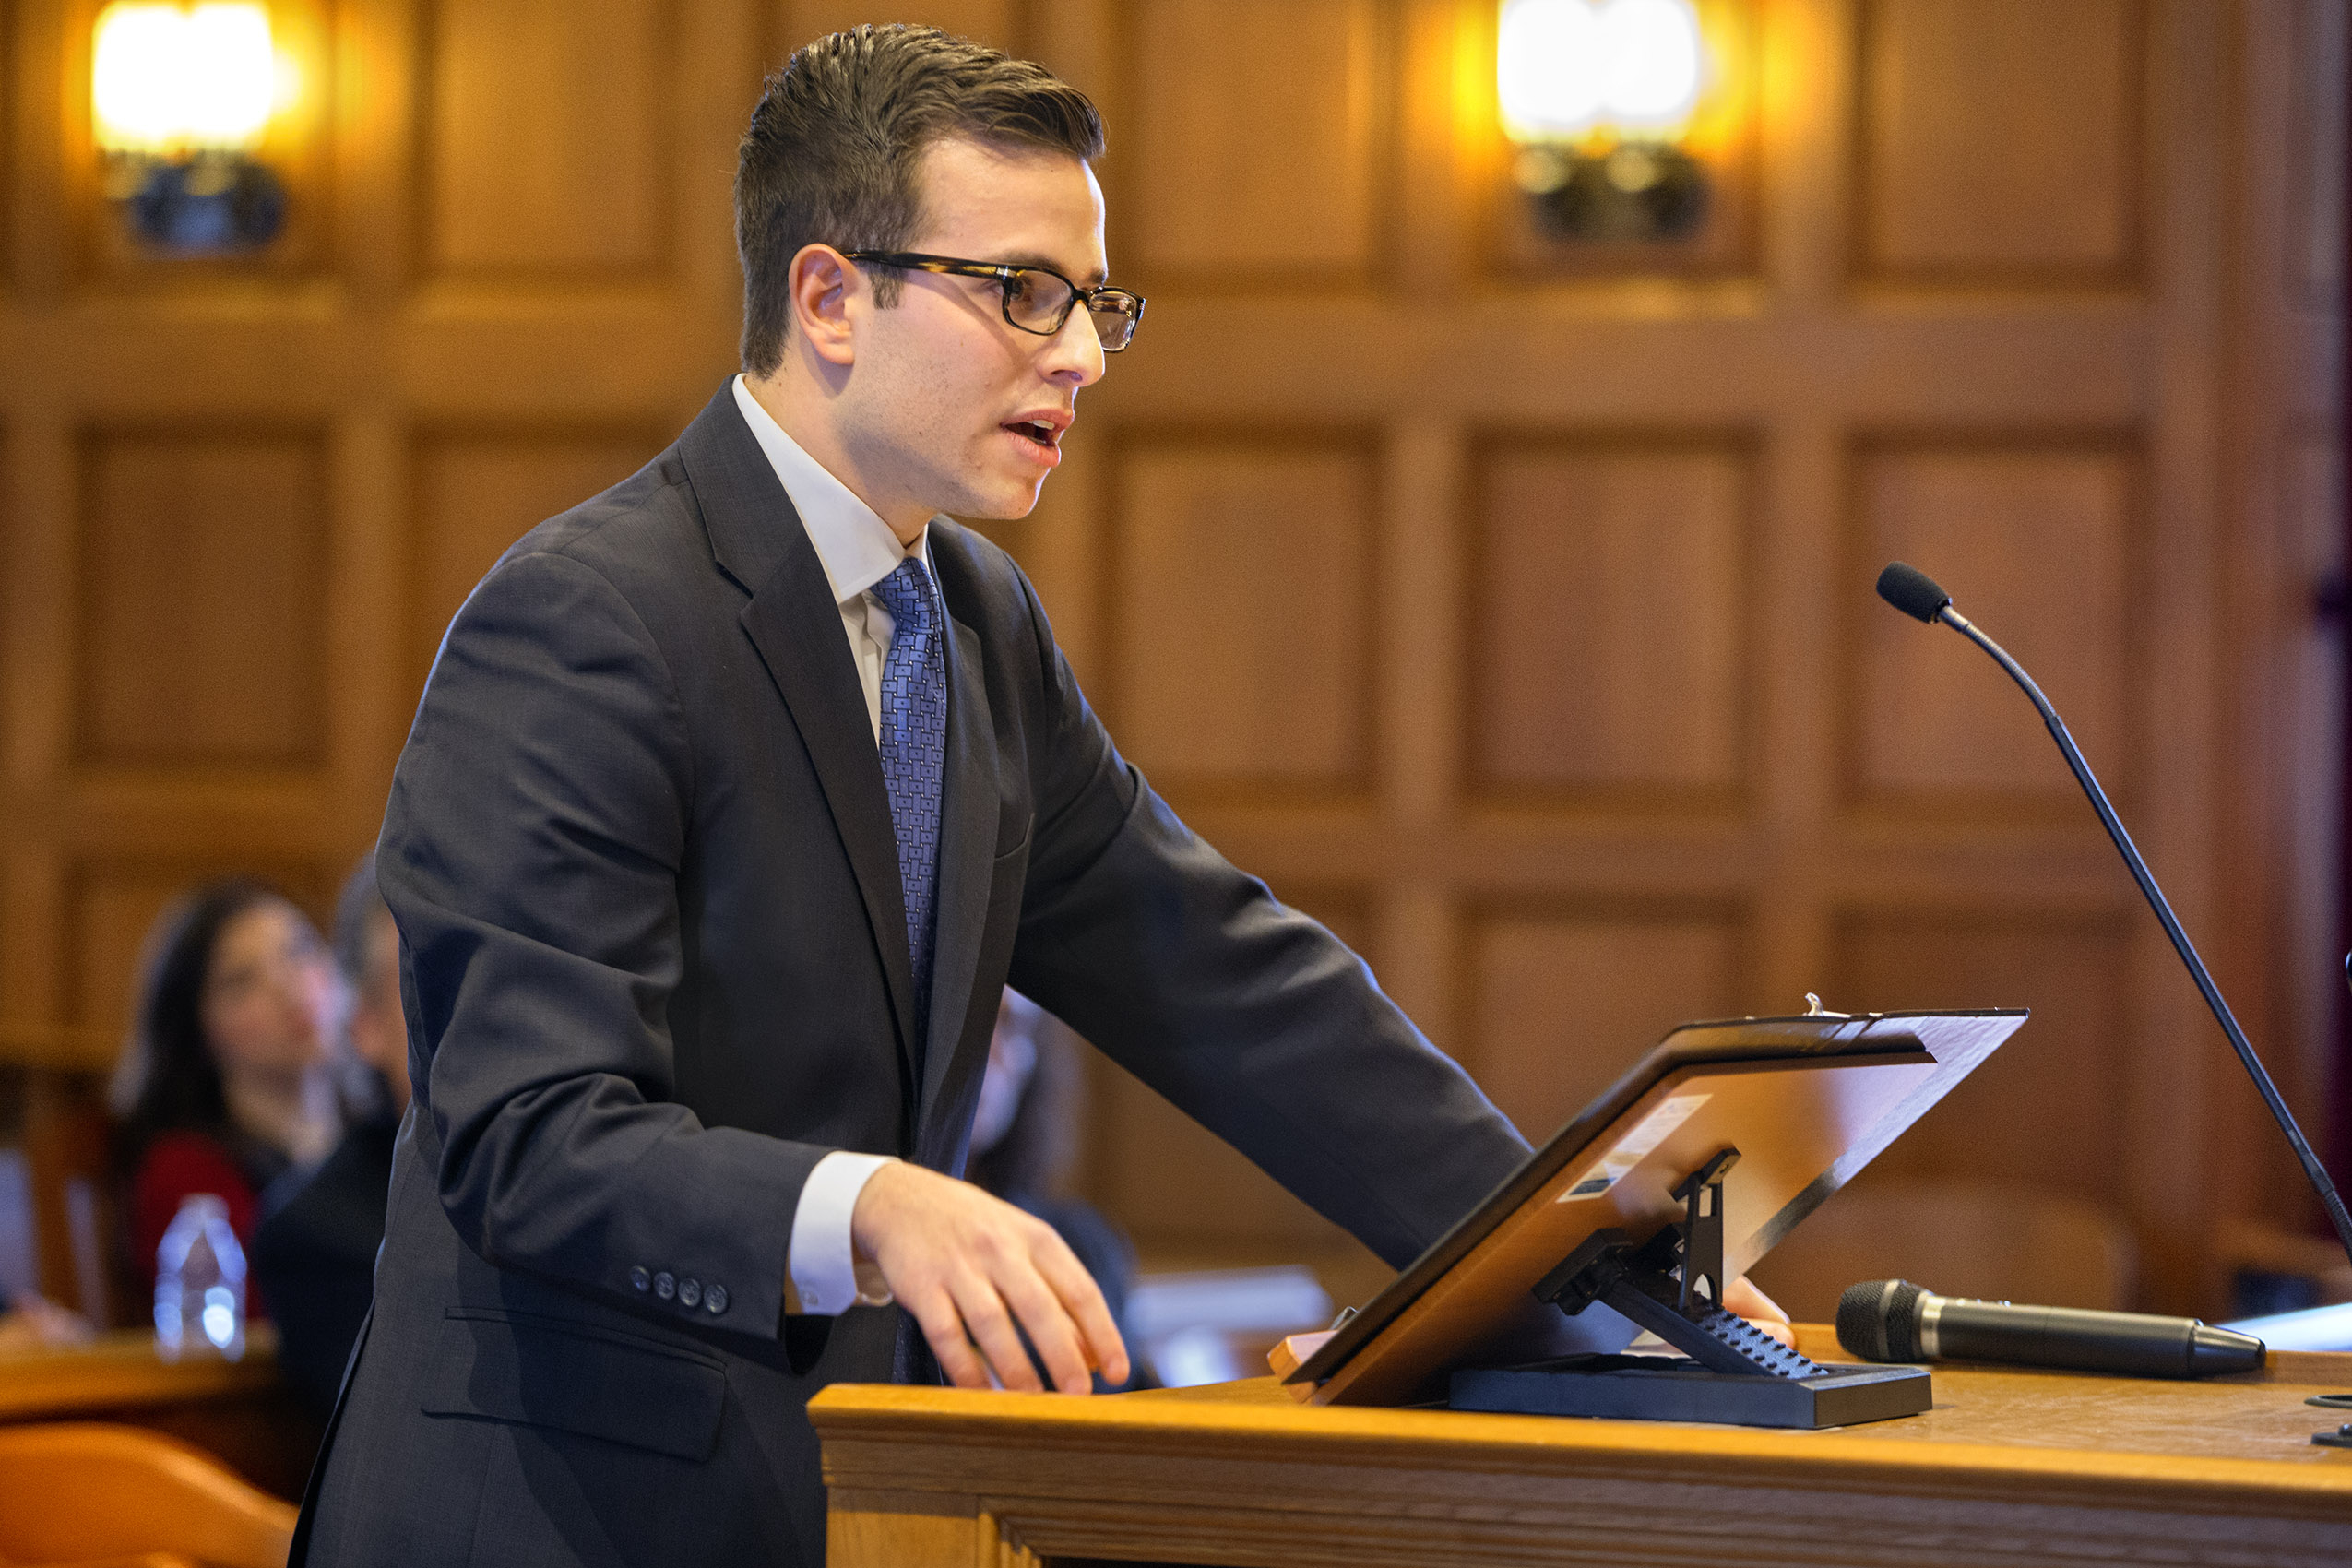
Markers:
point(1672, 1285)
point(1639, 1282)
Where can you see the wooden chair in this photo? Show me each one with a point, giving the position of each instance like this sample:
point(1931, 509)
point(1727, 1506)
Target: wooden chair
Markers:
point(1994, 1242)
point(65, 1134)
point(95, 1496)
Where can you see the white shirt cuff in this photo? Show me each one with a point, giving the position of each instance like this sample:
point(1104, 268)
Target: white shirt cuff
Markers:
point(821, 1259)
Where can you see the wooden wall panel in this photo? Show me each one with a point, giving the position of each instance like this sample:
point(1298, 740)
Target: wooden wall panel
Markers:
point(479, 490)
point(2308, 694)
point(1562, 1001)
point(2000, 140)
point(2035, 542)
point(1664, 773)
point(1990, 1241)
point(202, 615)
point(1260, 151)
point(1269, 540)
point(546, 135)
point(112, 905)
point(1606, 601)
point(113, 911)
point(2048, 1110)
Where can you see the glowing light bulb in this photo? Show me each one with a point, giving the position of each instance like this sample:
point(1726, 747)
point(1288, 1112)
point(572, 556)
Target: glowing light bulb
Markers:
point(166, 78)
point(1566, 68)
point(135, 94)
point(231, 73)
point(1549, 67)
point(1655, 62)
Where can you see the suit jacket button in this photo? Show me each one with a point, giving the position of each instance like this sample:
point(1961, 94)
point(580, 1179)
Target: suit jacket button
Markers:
point(665, 1284)
point(689, 1293)
point(714, 1298)
point(638, 1279)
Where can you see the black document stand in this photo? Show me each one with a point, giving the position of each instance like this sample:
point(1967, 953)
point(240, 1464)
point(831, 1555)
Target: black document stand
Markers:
point(1678, 1178)
point(1729, 1369)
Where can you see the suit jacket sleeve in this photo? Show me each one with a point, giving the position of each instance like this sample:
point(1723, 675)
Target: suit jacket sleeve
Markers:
point(1245, 1014)
point(530, 854)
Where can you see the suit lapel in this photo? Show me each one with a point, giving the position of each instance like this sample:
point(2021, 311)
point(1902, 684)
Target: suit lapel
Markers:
point(756, 538)
point(796, 629)
point(970, 805)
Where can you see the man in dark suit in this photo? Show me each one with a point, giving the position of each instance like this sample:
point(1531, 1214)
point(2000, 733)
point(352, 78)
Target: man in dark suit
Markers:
point(737, 795)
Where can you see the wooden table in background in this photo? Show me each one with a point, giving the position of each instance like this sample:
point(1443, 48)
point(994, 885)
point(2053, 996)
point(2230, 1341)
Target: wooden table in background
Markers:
point(2010, 1469)
point(239, 1411)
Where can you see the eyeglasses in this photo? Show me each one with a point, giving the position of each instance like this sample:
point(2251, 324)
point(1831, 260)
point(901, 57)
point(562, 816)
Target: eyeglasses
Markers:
point(1036, 299)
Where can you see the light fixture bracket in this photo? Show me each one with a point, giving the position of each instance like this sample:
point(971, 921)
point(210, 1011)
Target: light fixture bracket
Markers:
point(1635, 192)
point(197, 204)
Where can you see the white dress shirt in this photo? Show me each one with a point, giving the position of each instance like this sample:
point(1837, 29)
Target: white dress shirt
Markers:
point(856, 550)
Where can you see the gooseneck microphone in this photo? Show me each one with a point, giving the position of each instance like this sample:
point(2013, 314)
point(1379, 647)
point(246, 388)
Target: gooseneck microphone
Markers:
point(1894, 1320)
point(1915, 593)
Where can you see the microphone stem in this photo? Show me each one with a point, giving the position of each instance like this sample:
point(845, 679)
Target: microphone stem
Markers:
point(2180, 943)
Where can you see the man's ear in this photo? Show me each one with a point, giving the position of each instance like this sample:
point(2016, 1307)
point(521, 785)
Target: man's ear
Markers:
point(823, 286)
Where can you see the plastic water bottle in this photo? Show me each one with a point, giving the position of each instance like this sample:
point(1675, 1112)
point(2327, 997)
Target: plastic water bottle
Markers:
point(200, 1284)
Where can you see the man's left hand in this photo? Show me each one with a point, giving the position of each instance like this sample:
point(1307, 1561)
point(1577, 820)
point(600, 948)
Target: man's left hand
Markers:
point(1744, 1299)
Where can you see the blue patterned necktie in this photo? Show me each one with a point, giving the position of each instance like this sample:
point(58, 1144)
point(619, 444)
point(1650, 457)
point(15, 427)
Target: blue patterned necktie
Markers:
point(914, 755)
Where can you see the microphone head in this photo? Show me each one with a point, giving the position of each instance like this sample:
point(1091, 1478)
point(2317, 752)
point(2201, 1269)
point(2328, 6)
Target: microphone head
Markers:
point(1912, 591)
point(1878, 1320)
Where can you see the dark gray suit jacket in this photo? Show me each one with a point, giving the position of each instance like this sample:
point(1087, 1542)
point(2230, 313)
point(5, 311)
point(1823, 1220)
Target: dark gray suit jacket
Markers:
point(655, 966)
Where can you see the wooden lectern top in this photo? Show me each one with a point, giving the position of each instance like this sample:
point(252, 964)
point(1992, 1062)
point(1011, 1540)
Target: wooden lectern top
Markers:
point(2011, 1468)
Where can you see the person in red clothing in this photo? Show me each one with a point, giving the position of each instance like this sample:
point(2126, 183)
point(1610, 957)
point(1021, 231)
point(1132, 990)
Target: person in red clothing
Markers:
point(222, 1087)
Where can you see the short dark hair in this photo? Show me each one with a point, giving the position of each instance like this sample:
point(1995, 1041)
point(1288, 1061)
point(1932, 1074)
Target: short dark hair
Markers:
point(830, 155)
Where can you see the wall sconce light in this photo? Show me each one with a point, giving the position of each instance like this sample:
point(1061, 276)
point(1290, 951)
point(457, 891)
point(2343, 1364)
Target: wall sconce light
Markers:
point(180, 97)
point(1597, 95)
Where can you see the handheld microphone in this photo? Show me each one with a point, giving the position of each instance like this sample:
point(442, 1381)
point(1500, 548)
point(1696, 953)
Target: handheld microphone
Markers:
point(1915, 594)
point(1894, 1320)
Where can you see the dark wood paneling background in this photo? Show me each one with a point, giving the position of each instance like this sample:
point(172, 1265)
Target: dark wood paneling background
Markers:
point(1507, 605)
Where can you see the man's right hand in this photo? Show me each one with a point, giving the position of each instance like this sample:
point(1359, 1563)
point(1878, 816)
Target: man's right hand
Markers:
point(968, 1265)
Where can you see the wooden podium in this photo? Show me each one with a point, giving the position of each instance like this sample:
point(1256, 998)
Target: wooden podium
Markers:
point(2010, 1469)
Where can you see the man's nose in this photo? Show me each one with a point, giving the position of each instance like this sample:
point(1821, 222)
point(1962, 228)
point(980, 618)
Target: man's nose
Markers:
point(1075, 352)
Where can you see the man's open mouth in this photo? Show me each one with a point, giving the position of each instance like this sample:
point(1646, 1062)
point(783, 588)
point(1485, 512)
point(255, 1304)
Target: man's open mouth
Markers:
point(1038, 431)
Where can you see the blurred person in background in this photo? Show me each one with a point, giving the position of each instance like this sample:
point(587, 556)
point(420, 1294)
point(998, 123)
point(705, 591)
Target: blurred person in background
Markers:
point(315, 1254)
point(221, 1089)
point(1023, 1140)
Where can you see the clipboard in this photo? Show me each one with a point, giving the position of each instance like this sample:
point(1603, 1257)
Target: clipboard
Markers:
point(1799, 1104)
